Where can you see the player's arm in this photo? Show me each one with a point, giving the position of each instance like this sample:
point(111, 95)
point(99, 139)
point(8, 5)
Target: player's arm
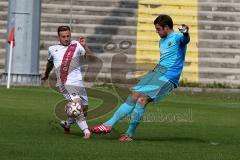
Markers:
point(49, 67)
point(88, 53)
point(184, 29)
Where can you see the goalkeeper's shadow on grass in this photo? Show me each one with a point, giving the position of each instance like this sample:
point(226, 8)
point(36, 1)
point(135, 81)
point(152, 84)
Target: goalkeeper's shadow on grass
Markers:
point(115, 135)
point(172, 139)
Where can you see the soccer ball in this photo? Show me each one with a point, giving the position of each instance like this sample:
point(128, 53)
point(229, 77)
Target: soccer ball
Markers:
point(73, 109)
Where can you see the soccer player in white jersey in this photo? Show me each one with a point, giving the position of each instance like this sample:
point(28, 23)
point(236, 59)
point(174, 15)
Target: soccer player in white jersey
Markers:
point(64, 58)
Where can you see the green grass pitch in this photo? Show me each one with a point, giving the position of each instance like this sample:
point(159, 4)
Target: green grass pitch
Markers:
point(183, 126)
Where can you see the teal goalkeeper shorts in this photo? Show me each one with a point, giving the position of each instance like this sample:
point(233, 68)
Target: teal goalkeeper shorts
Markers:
point(154, 84)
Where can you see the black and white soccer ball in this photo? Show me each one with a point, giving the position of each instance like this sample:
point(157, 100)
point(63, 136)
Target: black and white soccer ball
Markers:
point(73, 109)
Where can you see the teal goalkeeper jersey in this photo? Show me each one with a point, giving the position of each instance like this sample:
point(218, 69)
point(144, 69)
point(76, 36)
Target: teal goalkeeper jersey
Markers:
point(172, 55)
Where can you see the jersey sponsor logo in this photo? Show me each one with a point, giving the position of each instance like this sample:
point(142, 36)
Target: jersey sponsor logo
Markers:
point(169, 43)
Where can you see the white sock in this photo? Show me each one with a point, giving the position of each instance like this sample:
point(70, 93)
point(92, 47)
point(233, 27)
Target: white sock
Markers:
point(84, 127)
point(85, 131)
point(82, 124)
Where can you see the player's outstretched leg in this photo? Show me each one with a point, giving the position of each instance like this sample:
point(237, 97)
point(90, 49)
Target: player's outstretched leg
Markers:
point(124, 110)
point(137, 116)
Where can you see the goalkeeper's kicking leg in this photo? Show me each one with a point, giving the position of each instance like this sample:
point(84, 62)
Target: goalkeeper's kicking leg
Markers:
point(134, 104)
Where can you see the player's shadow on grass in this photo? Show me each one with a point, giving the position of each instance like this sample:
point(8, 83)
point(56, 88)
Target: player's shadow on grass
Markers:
point(115, 135)
point(172, 139)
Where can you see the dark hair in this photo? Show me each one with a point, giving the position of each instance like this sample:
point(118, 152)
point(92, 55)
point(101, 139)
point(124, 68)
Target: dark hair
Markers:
point(164, 20)
point(63, 28)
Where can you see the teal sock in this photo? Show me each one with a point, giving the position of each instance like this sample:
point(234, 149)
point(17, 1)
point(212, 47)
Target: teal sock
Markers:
point(124, 110)
point(136, 117)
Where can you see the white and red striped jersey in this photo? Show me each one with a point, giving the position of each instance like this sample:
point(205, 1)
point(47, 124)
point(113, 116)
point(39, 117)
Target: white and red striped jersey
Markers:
point(66, 62)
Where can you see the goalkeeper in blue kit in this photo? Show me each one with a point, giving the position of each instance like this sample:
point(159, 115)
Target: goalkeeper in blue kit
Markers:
point(157, 83)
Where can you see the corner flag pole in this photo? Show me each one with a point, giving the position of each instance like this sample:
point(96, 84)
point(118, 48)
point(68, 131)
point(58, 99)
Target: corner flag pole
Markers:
point(12, 44)
point(9, 65)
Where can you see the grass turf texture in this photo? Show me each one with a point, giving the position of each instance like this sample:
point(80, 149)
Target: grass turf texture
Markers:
point(184, 126)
